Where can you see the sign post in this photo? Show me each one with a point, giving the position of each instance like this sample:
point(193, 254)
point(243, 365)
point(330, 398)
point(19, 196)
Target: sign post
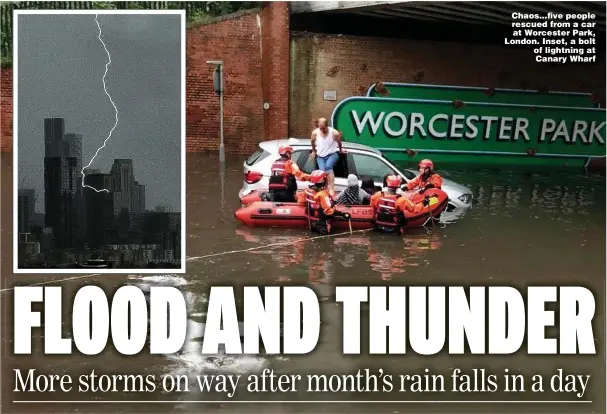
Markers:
point(218, 86)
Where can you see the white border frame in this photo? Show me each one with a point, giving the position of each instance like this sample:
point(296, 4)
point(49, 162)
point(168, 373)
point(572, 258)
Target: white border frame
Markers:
point(16, 270)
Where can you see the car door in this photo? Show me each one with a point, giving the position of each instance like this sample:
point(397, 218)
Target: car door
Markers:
point(307, 165)
point(303, 161)
point(371, 166)
point(341, 173)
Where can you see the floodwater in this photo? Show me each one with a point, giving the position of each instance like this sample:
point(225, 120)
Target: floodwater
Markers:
point(524, 229)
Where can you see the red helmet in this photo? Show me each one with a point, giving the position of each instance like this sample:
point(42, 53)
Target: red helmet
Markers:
point(393, 181)
point(283, 149)
point(318, 177)
point(426, 164)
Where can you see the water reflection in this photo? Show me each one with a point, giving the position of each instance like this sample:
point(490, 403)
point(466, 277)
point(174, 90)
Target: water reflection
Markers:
point(394, 262)
point(550, 192)
point(560, 199)
point(384, 255)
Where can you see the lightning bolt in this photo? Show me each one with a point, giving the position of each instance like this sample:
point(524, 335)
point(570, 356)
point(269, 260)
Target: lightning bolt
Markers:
point(113, 104)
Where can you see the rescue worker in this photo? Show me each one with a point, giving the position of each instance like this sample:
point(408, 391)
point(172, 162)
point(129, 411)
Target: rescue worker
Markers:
point(390, 207)
point(319, 204)
point(377, 195)
point(426, 179)
point(284, 176)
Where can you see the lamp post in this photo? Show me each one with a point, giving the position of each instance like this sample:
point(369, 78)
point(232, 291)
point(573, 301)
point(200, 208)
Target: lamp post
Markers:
point(218, 86)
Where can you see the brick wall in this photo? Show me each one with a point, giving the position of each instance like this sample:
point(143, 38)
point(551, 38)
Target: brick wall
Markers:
point(350, 64)
point(251, 47)
point(6, 110)
point(254, 47)
point(275, 61)
point(237, 43)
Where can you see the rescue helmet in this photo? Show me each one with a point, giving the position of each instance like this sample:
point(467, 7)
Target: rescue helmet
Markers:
point(393, 181)
point(385, 181)
point(284, 149)
point(318, 177)
point(426, 164)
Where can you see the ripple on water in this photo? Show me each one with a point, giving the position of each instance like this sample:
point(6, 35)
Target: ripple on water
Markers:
point(164, 280)
point(190, 362)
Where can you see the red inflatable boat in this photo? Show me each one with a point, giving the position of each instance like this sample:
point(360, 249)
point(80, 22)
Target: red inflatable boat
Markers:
point(251, 198)
point(257, 213)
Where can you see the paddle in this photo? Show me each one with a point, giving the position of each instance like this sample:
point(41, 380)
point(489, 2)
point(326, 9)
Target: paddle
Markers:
point(349, 222)
point(431, 216)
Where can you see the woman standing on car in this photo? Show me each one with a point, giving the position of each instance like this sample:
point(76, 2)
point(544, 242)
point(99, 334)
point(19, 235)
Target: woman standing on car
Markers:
point(326, 147)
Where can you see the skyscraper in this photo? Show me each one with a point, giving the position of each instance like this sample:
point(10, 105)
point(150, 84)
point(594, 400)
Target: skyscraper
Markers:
point(25, 209)
point(100, 224)
point(122, 182)
point(142, 197)
point(128, 194)
point(63, 201)
point(72, 148)
point(54, 129)
point(72, 152)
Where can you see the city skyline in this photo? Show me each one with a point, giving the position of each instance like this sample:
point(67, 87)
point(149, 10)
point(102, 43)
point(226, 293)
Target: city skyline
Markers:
point(39, 206)
point(76, 140)
point(83, 226)
point(61, 77)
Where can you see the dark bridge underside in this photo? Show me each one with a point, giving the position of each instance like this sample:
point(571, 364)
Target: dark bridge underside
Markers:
point(478, 22)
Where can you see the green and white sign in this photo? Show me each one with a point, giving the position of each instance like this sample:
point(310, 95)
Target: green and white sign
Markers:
point(474, 94)
point(473, 132)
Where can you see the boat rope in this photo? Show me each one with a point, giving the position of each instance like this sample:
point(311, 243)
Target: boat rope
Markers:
point(266, 246)
point(48, 282)
point(285, 243)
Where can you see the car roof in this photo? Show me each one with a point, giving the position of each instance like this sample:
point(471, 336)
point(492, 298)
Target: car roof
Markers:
point(273, 145)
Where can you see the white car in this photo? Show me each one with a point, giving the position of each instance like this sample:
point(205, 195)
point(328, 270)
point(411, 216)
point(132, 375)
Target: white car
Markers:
point(359, 160)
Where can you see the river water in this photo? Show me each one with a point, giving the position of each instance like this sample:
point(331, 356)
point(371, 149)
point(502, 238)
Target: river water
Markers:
point(524, 229)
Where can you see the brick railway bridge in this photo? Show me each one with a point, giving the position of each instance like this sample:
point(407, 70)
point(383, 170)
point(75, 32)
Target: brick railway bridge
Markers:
point(286, 54)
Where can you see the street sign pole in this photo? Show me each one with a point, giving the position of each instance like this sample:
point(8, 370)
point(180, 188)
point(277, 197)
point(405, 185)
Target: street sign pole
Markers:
point(218, 86)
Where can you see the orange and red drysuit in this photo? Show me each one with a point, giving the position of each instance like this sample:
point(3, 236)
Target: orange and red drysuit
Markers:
point(319, 201)
point(283, 179)
point(423, 181)
point(319, 210)
point(390, 209)
point(402, 203)
point(287, 167)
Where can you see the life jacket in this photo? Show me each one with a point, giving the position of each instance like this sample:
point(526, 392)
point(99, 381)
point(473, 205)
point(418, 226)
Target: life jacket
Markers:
point(387, 215)
point(423, 182)
point(316, 217)
point(312, 207)
point(280, 179)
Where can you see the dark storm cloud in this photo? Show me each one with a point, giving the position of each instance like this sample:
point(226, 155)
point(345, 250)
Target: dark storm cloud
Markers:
point(61, 64)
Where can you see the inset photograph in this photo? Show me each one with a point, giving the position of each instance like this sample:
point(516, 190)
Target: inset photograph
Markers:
point(99, 141)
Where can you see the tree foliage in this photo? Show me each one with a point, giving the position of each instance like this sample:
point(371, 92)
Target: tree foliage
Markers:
point(195, 10)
